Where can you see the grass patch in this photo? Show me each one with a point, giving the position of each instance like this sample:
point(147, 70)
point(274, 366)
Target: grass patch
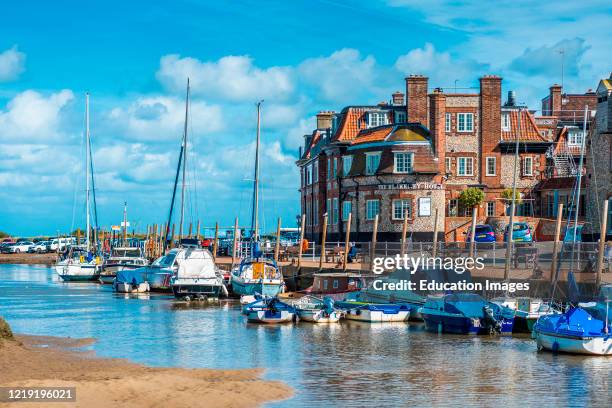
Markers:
point(5, 331)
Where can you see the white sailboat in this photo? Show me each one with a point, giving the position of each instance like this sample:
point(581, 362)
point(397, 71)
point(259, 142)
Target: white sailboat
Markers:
point(80, 263)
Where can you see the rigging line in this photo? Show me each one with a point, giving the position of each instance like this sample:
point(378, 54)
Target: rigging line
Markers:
point(93, 190)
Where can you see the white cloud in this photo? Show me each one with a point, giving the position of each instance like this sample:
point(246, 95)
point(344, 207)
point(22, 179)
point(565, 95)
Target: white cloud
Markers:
point(537, 61)
point(159, 118)
point(341, 77)
point(233, 78)
point(440, 67)
point(12, 64)
point(31, 117)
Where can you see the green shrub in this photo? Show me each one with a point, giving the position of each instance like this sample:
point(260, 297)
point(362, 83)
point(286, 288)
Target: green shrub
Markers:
point(507, 196)
point(471, 197)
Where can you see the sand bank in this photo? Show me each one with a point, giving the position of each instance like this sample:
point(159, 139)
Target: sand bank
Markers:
point(53, 362)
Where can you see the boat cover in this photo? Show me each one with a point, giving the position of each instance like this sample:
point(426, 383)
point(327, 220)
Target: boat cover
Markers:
point(577, 322)
point(133, 276)
point(195, 263)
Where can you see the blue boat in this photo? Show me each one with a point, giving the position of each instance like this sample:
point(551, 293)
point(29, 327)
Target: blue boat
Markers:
point(466, 313)
point(269, 310)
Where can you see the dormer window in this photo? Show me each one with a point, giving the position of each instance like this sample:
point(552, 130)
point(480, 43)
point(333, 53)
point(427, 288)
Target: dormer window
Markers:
point(505, 121)
point(372, 162)
point(402, 162)
point(377, 119)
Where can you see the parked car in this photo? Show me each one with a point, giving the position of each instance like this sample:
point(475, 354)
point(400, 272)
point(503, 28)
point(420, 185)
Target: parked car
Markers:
point(40, 247)
point(483, 233)
point(61, 243)
point(521, 232)
point(5, 247)
point(21, 246)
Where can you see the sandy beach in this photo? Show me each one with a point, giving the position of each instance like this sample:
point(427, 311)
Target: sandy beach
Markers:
point(29, 259)
point(37, 361)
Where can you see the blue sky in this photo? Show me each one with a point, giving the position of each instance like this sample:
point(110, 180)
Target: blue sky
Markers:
point(299, 56)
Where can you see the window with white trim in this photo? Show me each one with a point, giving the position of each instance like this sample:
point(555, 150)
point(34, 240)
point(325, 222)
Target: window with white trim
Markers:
point(402, 162)
point(449, 164)
point(425, 207)
point(528, 166)
point(372, 162)
point(465, 166)
point(574, 137)
point(308, 175)
point(347, 207)
point(465, 122)
point(491, 164)
point(372, 209)
point(505, 121)
point(347, 162)
point(490, 208)
point(315, 172)
point(377, 119)
point(400, 117)
point(453, 207)
point(447, 122)
point(401, 209)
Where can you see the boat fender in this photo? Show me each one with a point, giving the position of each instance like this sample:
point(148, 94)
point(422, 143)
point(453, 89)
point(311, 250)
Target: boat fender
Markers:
point(81, 259)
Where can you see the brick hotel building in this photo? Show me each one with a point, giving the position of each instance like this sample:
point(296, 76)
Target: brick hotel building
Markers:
point(418, 152)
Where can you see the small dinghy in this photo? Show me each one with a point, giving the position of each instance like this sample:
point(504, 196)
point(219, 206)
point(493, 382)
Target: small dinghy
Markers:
point(576, 331)
point(316, 310)
point(527, 311)
point(466, 313)
point(269, 310)
point(130, 281)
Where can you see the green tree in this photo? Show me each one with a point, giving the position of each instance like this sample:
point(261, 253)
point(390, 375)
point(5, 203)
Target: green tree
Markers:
point(471, 197)
point(4, 234)
point(507, 196)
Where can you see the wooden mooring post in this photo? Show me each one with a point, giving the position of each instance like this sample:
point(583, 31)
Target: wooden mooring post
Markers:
point(323, 242)
point(553, 265)
point(602, 243)
point(346, 241)
point(373, 242)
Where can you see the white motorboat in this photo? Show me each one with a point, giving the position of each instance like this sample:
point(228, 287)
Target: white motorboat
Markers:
point(197, 276)
point(316, 310)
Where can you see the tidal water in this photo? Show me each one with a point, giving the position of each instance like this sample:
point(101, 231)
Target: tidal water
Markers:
point(345, 365)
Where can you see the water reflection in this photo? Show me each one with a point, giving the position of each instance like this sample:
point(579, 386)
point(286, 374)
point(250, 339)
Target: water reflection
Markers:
point(353, 364)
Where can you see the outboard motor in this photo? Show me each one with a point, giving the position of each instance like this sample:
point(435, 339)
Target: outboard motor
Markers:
point(329, 305)
point(490, 321)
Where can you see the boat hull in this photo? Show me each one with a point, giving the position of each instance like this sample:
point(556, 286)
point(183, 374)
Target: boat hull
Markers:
point(77, 272)
point(318, 316)
point(195, 291)
point(241, 288)
point(599, 346)
point(124, 287)
point(445, 323)
point(270, 317)
point(377, 316)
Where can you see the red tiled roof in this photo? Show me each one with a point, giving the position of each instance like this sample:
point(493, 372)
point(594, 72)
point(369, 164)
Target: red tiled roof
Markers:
point(562, 144)
point(529, 131)
point(316, 136)
point(377, 134)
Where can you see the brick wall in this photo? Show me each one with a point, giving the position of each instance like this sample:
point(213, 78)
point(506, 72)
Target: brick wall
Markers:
point(416, 99)
point(490, 126)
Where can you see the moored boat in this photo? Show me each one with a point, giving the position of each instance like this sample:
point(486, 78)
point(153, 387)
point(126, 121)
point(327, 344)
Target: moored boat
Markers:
point(466, 313)
point(197, 276)
point(526, 311)
point(78, 266)
point(257, 275)
point(316, 310)
point(375, 312)
point(577, 332)
point(157, 275)
point(120, 259)
point(269, 310)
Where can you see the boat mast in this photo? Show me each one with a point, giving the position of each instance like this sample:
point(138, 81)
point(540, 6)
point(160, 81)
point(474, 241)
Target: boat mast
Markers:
point(513, 204)
point(87, 161)
point(184, 162)
point(255, 215)
point(125, 223)
point(579, 181)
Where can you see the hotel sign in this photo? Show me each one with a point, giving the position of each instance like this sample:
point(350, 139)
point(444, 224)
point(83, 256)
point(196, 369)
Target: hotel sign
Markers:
point(410, 186)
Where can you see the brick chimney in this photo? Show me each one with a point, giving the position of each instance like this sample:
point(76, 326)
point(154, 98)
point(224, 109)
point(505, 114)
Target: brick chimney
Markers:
point(397, 98)
point(416, 99)
point(554, 100)
point(324, 119)
point(437, 116)
point(490, 127)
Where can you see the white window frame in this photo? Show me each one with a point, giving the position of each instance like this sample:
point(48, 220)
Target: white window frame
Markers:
point(490, 208)
point(372, 208)
point(377, 118)
point(528, 170)
point(368, 155)
point(400, 117)
point(406, 206)
point(489, 160)
point(447, 121)
point(463, 128)
point(335, 284)
point(466, 160)
point(448, 164)
point(505, 121)
point(347, 208)
point(399, 163)
point(347, 162)
point(425, 207)
point(574, 137)
point(453, 203)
